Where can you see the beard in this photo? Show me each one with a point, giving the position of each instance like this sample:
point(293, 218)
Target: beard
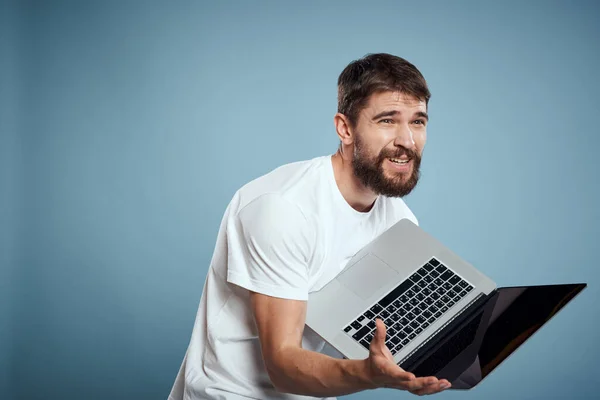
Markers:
point(369, 170)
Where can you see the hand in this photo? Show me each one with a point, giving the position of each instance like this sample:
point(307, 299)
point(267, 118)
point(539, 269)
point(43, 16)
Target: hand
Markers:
point(385, 373)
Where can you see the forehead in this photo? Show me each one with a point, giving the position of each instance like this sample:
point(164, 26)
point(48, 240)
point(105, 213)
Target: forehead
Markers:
point(394, 101)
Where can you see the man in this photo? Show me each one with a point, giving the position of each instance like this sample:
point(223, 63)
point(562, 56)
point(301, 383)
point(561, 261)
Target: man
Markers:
point(290, 232)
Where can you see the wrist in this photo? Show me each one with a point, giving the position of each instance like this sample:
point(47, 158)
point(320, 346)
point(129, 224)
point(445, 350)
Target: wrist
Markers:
point(360, 371)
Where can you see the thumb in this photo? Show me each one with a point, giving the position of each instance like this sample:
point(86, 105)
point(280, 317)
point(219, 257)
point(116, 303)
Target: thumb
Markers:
point(380, 332)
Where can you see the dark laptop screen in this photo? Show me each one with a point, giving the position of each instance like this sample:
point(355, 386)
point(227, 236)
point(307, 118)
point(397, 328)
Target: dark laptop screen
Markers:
point(518, 313)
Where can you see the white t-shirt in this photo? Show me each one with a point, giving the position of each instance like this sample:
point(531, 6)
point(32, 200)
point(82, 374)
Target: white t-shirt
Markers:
point(284, 234)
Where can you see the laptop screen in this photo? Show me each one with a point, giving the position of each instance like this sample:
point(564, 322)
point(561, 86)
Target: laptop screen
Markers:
point(518, 313)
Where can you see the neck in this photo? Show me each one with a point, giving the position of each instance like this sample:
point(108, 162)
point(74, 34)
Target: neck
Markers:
point(353, 191)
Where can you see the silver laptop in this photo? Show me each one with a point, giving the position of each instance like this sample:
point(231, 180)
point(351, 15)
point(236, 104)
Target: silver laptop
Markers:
point(416, 285)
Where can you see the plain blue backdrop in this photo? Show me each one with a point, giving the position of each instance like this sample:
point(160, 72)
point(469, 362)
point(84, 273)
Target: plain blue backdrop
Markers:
point(128, 125)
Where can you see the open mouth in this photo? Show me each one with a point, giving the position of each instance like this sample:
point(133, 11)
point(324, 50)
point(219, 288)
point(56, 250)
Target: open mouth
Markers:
point(399, 161)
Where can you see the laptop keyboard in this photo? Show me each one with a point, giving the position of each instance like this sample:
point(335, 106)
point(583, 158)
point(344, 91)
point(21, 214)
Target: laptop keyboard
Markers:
point(412, 306)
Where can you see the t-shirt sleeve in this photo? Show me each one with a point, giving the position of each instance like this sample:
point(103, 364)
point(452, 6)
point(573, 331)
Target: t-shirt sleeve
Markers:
point(269, 247)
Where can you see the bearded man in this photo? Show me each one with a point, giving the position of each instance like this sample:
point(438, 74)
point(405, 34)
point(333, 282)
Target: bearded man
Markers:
point(290, 232)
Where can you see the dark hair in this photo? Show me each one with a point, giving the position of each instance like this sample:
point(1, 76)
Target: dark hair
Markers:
point(377, 73)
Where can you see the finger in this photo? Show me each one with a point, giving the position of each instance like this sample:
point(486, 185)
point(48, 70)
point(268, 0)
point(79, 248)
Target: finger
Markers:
point(432, 388)
point(380, 331)
point(420, 383)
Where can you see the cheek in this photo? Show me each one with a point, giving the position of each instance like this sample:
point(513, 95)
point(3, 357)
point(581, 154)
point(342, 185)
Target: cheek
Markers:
point(420, 138)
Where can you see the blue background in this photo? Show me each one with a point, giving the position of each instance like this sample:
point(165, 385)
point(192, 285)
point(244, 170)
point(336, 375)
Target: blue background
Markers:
point(128, 125)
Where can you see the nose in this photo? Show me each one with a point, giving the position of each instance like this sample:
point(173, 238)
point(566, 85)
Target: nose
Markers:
point(404, 137)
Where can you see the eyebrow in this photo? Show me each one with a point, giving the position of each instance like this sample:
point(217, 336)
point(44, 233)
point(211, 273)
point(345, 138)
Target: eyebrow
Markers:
point(391, 113)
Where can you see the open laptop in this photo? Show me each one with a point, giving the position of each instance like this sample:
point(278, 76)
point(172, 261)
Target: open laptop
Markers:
point(438, 309)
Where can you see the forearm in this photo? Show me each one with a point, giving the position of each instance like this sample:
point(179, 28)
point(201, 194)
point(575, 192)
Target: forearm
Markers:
point(299, 371)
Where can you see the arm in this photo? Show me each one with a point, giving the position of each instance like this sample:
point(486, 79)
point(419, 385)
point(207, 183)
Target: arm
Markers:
point(292, 369)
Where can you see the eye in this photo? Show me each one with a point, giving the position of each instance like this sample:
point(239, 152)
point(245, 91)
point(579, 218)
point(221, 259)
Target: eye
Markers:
point(419, 122)
point(387, 121)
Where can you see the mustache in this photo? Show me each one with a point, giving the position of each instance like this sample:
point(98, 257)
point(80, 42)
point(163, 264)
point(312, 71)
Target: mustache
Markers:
point(411, 154)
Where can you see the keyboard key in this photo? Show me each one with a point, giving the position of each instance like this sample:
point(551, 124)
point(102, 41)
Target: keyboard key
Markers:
point(412, 336)
point(376, 309)
point(422, 306)
point(421, 319)
point(402, 334)
point(438, 281)
point(428, 301)
point(469, 288)
point(404, 342)
point(441, 268)
point(395, 317)
point(408, 330)
point(415, 277)
point(446, 275)
point(434, 274)
point(393, 351)
point(454, 280)
point(425, 325)
point(437, 314)
point(361, 333)
point(398, 347)
point(427, 314)
point(356, 325)
point(410, 293)
point(414, 301)
point(369, 314)
point(395, 340)
point(371, 324)
point(384, 314)
point(416, 289)
point(404, 321)
point(445, 298)
point(462, 284)
point(422, 284)
point(444, 309)
point(428, 267)
point(420, 296)
point(397, 303)
point(426, 291)
point(439, 304)
point(462, 294)
point(434, 262)
point(457, 288)
point(430, 320)
point(451, 294)
point(365, 344)
point(433, 309)
point(391, 309)
point(422, 271)
point(410, 316)
point(403, 299)
point(447, 285)
point(391, 332)
point(417, 311)
point(361, 318)
point(394, 294)
point(397, 326)
point(418, 330)
point(450, 303)
point(414, 324)
point(440, 291)
point(408, 307)
point(348, 328)
point(401, 311)
point(369, 337)
point(435, 296)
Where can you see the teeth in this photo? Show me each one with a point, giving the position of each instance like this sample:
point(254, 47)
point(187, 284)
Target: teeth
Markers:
point(398, 161)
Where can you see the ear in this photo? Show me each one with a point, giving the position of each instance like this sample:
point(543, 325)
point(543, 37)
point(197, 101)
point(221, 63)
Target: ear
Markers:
point(342, 127)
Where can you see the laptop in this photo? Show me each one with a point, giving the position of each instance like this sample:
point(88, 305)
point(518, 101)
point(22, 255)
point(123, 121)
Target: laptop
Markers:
point(440, 312)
